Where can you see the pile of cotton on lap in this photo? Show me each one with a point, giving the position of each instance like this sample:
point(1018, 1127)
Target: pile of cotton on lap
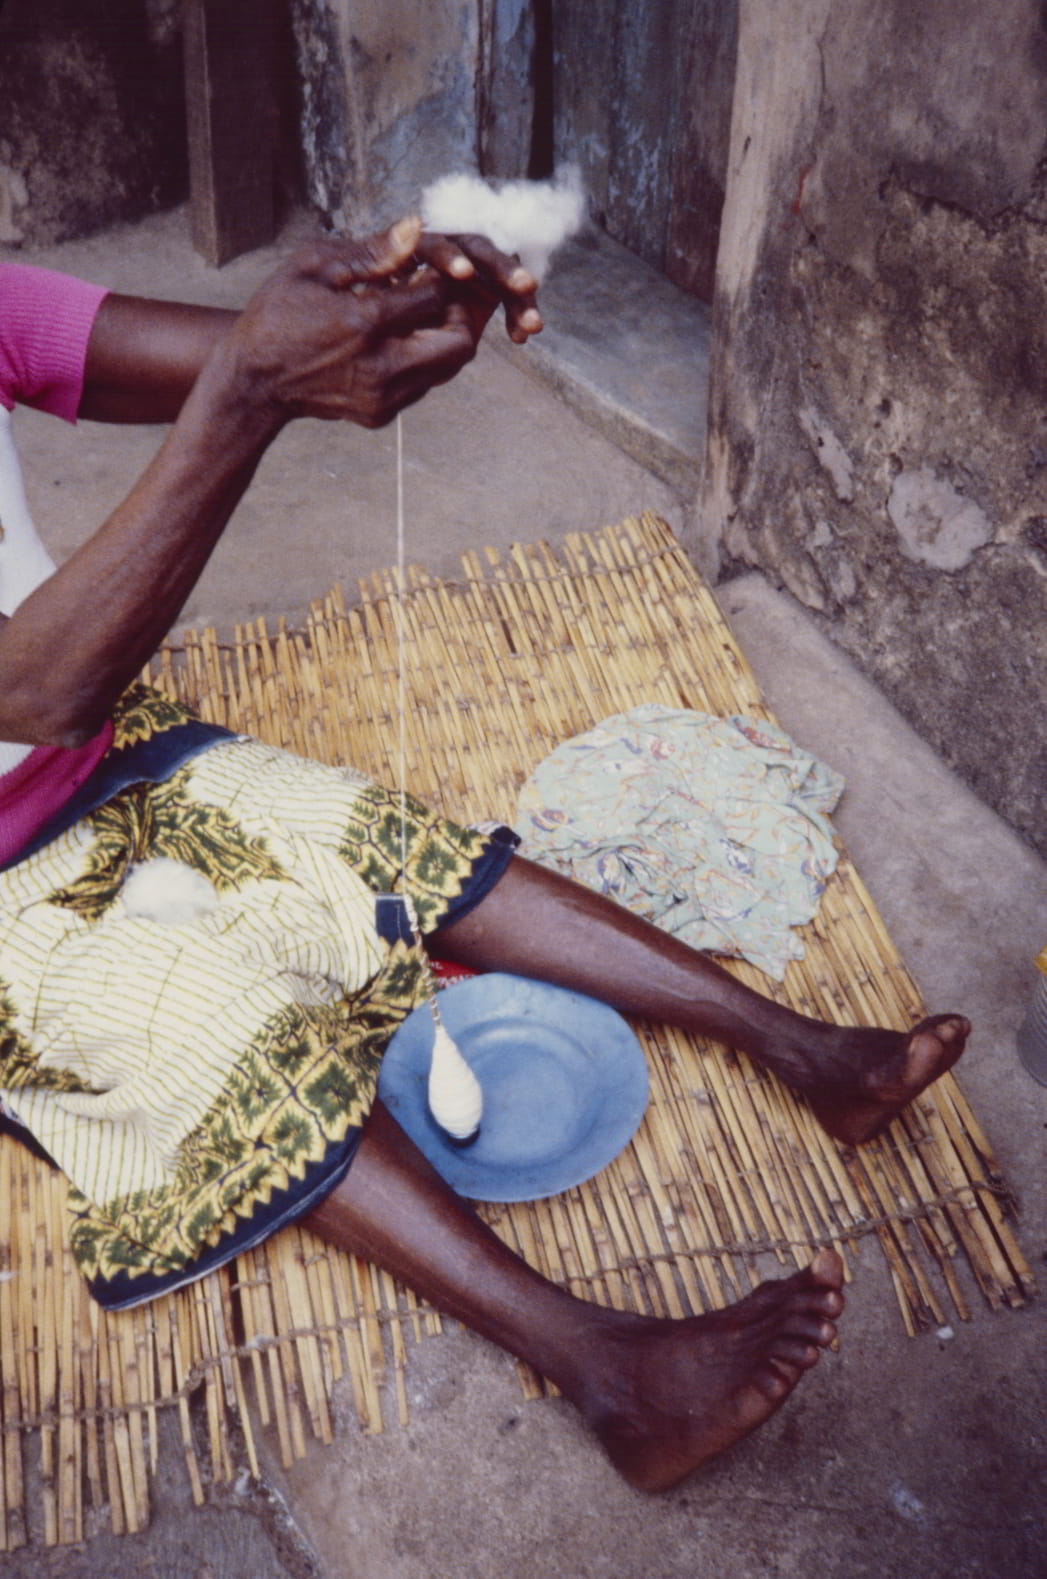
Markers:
point(529, 218)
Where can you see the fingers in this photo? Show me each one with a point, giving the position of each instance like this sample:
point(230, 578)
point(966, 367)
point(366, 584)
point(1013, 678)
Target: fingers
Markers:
point(489, 276)
point(430, 357)
point(415, 303)
point(445, 254)
point(506, 272)
point(356, 330)
point(347, 261)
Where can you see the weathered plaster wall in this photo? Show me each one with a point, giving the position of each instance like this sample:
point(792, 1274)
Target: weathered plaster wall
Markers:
point(878, 400)
point(635, 92)
point(93, 128)
point(389, 101)
point(642, 103)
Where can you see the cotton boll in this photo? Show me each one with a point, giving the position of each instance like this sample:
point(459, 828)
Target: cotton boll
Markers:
point(168, 892)
point(530, 218)
point(456, 1098)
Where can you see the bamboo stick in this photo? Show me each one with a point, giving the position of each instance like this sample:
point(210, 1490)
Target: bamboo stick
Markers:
point(182, 1347)
point(13, 1268)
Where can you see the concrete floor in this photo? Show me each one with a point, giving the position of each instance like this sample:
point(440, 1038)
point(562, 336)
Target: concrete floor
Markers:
point(896, 1458)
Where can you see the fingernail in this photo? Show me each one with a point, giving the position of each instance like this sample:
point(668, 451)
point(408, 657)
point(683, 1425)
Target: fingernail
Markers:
point(404, 234)
point(522, 279)
point(461, 268)
point(531, 320)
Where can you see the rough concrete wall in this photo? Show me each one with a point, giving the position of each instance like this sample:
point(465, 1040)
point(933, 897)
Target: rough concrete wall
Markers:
point(93, 126)
point(878, 421)
point(642, 95)
point(389, 102)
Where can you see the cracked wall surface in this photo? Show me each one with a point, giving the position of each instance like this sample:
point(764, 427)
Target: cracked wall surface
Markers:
point(93, 128)
point(389, 105)
point(878, 421)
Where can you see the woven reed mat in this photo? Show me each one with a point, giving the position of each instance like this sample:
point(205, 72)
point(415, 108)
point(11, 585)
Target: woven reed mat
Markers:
point(727, 1171)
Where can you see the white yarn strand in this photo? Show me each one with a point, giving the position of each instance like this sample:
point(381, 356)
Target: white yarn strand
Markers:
point(454, 1094)
point(401, 657)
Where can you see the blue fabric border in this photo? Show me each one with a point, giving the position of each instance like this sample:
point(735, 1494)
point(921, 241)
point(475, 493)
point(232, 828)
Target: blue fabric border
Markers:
point(390, 912)
point(285, 1207)
point(487, 869)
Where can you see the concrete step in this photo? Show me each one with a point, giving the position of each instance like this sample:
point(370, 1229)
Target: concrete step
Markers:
point(629, 351)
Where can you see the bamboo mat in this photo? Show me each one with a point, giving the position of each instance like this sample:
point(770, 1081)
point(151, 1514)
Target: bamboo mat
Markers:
point(727, 1178)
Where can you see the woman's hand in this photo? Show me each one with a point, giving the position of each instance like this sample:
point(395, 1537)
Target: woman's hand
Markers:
point(348, 330)
point(487, 278)
point(351, 329)
point(358, 330)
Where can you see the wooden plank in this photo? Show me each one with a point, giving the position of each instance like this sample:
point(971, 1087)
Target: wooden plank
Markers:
point(231, 116)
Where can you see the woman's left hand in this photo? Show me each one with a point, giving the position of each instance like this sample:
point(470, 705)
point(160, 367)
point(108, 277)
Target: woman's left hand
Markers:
point(488, 279)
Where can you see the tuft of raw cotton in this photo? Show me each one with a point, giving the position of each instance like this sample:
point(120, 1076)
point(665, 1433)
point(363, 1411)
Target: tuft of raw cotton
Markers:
point(530, 218)
point(168, 892)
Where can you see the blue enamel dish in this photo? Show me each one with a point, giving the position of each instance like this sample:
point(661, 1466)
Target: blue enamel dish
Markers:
point(564, 1080)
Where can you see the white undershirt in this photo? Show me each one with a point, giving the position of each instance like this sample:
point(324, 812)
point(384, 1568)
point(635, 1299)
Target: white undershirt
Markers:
point(24, 561)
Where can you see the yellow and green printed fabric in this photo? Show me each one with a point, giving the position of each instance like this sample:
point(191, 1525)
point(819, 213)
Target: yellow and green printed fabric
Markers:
point(195, 997)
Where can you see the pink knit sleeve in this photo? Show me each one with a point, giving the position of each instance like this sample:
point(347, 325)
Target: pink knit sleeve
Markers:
point(45, 324)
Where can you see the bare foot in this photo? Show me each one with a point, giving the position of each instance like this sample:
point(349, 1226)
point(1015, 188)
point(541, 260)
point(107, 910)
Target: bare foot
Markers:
point(676, 1393)
point(874, 1074)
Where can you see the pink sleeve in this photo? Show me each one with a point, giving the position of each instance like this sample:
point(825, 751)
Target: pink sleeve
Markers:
point(45, 325)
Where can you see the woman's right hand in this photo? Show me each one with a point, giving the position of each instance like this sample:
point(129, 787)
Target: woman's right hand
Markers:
point(350, 330)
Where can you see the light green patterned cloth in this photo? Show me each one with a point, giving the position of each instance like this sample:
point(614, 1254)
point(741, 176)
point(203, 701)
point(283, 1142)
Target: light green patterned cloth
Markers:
point(714, 828)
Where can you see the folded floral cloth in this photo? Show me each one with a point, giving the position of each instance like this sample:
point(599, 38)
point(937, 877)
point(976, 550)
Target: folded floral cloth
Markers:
point(714, 828)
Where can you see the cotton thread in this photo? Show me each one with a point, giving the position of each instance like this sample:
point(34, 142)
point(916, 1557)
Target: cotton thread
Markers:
point(454, 1093)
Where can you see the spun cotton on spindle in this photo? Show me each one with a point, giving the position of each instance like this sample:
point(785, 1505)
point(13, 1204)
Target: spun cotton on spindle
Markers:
point(530, 218)
point(455, 1096)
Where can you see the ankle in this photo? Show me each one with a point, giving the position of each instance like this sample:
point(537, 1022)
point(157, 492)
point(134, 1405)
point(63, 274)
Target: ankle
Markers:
point(800, 1051)
point(602, 1380)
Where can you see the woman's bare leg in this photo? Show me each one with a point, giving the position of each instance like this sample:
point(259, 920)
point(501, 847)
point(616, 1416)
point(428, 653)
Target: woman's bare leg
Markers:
point(536, 923)
point(661, 1396)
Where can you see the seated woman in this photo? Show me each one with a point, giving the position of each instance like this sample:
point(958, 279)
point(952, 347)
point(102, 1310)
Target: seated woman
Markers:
point(206, 1074)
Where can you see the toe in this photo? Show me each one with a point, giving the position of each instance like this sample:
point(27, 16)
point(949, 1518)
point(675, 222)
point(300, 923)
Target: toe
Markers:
point(812, 1329)
point(775, 1382)
point(953, 1032)
point(950, 1031)
point(794, 1353)
point(827, 1269)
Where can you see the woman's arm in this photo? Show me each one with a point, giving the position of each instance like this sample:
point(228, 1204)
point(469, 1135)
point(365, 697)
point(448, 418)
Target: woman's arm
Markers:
point(334, 334)
point(144, 355)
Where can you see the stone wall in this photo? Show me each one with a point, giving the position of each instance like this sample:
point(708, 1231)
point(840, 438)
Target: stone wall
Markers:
point(878, 399)
point(93, 125)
